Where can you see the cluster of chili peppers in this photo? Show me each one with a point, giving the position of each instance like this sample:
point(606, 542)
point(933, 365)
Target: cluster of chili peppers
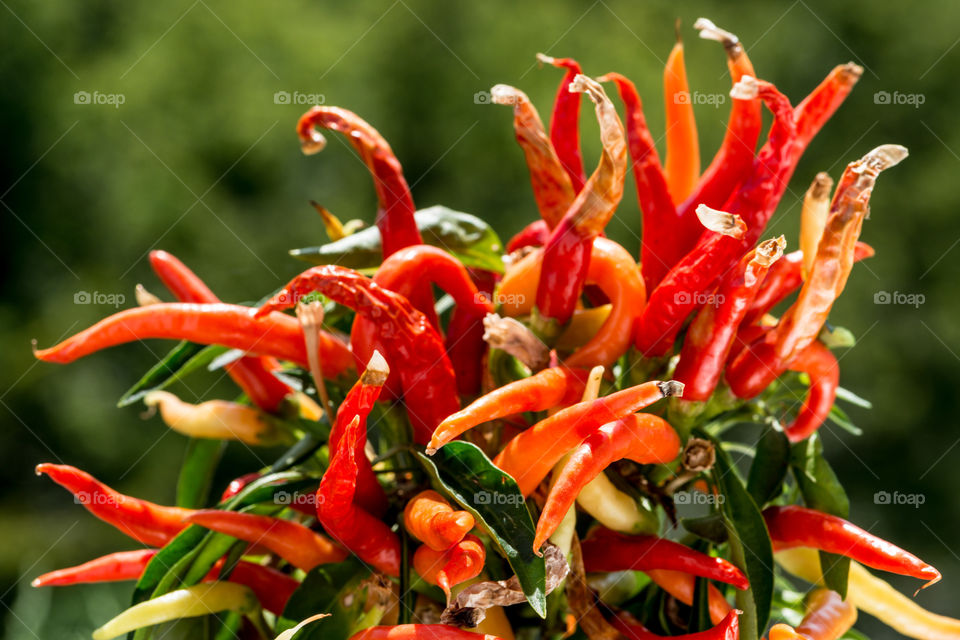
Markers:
point(616, 363)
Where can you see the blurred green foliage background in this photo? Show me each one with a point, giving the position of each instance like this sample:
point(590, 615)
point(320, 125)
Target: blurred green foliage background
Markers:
point(200, 160)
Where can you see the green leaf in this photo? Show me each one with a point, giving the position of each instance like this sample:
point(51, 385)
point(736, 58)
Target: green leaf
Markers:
point(849, 396)
point(769, 466)
point(325, 590)
point(839, 417)
point(700, 607)
point(710, 528)
point(196, 472)
point(465, 236)
point(183, 359)
point(463, 472)
point(749, 544)
point(821, 490)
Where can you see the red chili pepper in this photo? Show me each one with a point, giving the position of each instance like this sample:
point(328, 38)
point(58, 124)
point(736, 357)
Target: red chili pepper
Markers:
point(794, 526)
point(419, 632)
point(546, 389)
point(122, 565)
point(814, 111)
point(565, 121)
point(682, 289)
point(641, 437)
point(660, 219)
point(784, 277)
point(229, 325)
point(727, 629)
point(713, 330)
point(431, 520)
point(550, 179)
point(252, 374)
point(398, 228)
point(820, 364)
point(534, 234)
point(756, 367)
point(531, 455)
point(682, 586)
point(566, 256)
point(293, 542)
point(446, 569)
point(359, 402)
point(362, 533)
point(146, 522)
point(607, 550)
point(415, 348)
point(421, 266)
point(272, 588)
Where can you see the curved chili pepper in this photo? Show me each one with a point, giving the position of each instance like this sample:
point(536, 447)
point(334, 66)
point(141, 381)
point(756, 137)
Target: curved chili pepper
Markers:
point(795, 526)
point(190, 602)
point(820, 364)
point(784, 277)
point(427, 378)
point(272, 588)
point(420, 632)
point(446, 569)
point(682, 160)
point(641, 437)
point(229, 325)
point(566, 256)
point(565, 121)
point(814, 110)
point(534, 234)
point(292, 541)
point(682, 289)
point(682, 585)
point(430, 519)
point(365, 535)
point(550, 179)
point(122, 565)
point(828, 617)
point(714, 328)
point(733, 161)
point(530, 456)
point(546, 389)
point(215, 419)
point(607, 550)
point(252, 374)
point(727, 629)
point(152, 524)
point(756, 367)
point(423, 265)
point(398, 228)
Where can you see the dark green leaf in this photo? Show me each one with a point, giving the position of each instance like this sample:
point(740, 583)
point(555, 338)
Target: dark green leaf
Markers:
point(183, 359)
point(769, 466)
point(710, 528)
point(839, 417)
point(462, 471)
point(467, 237)
point(325, 590)
point(196, 472)
point(700, 607)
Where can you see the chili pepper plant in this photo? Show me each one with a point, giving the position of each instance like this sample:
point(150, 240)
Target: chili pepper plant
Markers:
point(529, 439)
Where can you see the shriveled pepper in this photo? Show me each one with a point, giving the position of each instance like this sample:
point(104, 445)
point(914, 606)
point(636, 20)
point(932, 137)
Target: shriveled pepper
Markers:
point(216, 419)
point(430, 519)
point(415, 348)
point(828, 617)
point(152, 524)
point(606, 550)
point(712, 332)
point(420, 632)
point(756, 367)
point(641, 437)
point(565, 121)
point(682, 161)
point(566, 256)
point(229, 325)
point(190, 602)
point(530, 456)
point(727, 629)
point(362, 533)
point(424, 265)
point(252, 374)
point(546, 389)
point(681, 290)
point(814, 110)
point(446, 569)
point(795, 526)
point(551, 182)
point(813, 218)
point(290, 540)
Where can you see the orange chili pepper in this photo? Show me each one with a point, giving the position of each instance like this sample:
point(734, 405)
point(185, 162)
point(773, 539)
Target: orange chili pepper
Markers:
point(682, 162)
point(446, 569)
point(431, 520)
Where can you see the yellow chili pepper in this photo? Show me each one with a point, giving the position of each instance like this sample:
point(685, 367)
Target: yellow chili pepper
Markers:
point(813, 218)
point(216, 419)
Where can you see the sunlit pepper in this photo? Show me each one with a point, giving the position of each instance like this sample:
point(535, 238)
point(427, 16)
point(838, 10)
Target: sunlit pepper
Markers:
point(430, 519)
point(813, 218)
point(216, 419)
point(828, 617)
point(565, 121)
point(453, 566)
point(682, 160)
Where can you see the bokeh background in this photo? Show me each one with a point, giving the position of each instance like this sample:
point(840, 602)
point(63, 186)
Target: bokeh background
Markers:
point(201, 160)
